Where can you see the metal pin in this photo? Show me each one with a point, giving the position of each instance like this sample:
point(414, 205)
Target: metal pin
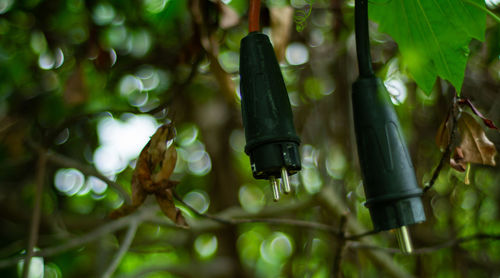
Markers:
point(286, 181)
point(404, 241)
point(276, 188)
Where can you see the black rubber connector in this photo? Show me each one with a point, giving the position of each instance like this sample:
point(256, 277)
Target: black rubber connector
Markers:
point(391, 189)
point(271, 140)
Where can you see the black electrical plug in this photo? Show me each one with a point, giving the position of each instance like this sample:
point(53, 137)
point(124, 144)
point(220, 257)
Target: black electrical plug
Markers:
point(392, 193)
point(271, 140)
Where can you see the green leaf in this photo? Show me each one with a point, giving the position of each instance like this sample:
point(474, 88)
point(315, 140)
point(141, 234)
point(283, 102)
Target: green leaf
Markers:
point(433, 35)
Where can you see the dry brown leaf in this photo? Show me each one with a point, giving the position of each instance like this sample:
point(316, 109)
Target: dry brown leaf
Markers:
point(281, 25)
point(228, 16)
point(474, 146)
point(209, 41)
point(165, 200)
point(13, 132)
point(443, 133)
point(456, 160)
point(489, 123)
point(151, 176)
point(75, 89)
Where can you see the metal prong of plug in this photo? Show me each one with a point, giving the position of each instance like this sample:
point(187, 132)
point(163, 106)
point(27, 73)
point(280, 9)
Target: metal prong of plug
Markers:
point(286, 180)
point(276, 188)
point(404, 240)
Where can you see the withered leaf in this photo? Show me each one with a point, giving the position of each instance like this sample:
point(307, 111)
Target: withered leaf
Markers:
point(474, 146)
point(210, 42)
point(75, 88)
point(443, 133)
point(165, 200)
point(456, 160)
point(281, 24)
point(151, 176)
point(228, 16)
point(489, 123)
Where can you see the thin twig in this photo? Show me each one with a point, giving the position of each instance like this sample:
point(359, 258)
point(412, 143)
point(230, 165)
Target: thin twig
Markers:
point(273, 221)
point(455, 113)
point(335, 205)
point(37, 211)
point(179, 88)
point(216, 267)
point(87, 170)
point(340, 247)
point(146, 214)
point(174, 90)
point(129, 237)
point(362, 235)
point(143, 215)
point(431, 249)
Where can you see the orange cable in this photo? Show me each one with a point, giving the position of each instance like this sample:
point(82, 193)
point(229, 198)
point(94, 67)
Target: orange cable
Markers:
point(253, 16)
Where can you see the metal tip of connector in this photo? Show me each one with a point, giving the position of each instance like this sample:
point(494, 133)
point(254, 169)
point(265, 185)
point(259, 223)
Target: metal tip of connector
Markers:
point(286, 181)
point(276, 188)
point(404, 240)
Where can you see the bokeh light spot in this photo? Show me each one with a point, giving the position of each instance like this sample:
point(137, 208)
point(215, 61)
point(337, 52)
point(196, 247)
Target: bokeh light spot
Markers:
point(38, 42)
point(187, 135)
point(276, 248)
point(121, 141)
point(96, 185)
point(198, 200)
point(103, 14)
point(5, 5)
point(205, 245)
point(69, 181)
point(59, 59)
point(251, 198)
point(155, 6)
point(229, 61)
point(46, 61)
point(199, 163)
point(36, 267)
point(297, 54)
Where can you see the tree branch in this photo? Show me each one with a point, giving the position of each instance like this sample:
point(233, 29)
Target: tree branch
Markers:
point(274, 221)
point(180, 87)
point(231, 216)
point(143, 215)
point(454, 112)
point(217, 267)
point(430, 249)
point(175, 90)
point(147, 214)
point(88, 170)
point(37, 211)
point(331, 201)
point(340, 248)
point(129, 237)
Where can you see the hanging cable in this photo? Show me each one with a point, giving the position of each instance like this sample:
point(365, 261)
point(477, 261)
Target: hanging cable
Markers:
point(391, 189)
point(362, 38)
point(271, 140)
point(253, 16)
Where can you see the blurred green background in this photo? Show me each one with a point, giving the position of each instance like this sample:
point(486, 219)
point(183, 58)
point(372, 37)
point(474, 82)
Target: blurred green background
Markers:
point(92, 80)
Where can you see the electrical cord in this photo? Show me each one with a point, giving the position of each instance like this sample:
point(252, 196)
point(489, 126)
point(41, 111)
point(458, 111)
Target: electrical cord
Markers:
point(362, 38)
point(253, 16)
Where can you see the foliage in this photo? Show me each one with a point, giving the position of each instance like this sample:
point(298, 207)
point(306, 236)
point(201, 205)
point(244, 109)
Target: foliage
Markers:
point(84, 84)
point(433, 36)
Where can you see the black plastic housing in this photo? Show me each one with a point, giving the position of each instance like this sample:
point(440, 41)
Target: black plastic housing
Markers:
point(391, 189)
point(271, 140)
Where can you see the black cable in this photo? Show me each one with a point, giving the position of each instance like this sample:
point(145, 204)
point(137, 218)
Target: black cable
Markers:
point(362, 38)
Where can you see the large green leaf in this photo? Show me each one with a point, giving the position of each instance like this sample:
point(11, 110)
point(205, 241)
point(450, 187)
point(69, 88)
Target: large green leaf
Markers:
point(432, 35)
